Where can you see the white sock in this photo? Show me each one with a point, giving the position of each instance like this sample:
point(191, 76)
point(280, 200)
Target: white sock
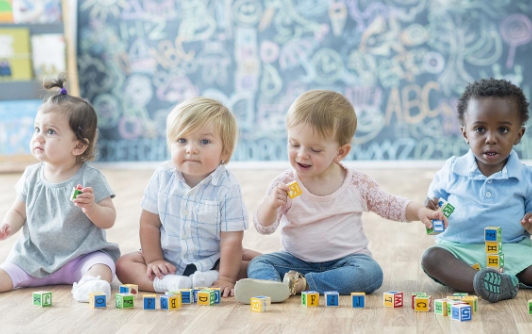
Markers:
point(204, 279)
point(171, 283)
point(88, 284)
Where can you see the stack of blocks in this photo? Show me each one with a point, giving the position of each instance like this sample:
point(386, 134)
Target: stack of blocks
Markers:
point(125, 298)
point(460, 306)
point(393, 299)
point(494, 255)
point(260, 304)
point(438, 225)
point(42, 298)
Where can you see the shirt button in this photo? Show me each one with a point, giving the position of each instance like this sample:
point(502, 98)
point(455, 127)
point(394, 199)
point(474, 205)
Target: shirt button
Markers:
point(488, 194)
point(489, 181)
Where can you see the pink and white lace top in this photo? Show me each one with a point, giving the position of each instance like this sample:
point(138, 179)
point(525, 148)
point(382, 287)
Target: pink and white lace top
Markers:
point(324, 228)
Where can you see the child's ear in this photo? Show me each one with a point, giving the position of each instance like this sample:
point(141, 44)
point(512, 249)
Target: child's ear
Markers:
point(81, 147)
point(343, 151)
point(519, 135)
point(464, 134)
point(223, 157)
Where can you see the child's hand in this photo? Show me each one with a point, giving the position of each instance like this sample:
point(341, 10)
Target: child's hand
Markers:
point(527, 222)
point(278, 196)
point(425, 215)
point(227, 288)
point(432, 203)
point(85, 200)
point(159, 268)
point(5, 232)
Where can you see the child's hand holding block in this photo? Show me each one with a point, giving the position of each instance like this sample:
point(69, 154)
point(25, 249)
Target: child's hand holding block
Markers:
point(295, 190)
point(75, 192)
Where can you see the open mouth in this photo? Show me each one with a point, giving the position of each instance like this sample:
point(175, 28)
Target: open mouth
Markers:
point(491, 154)
point(303, 166)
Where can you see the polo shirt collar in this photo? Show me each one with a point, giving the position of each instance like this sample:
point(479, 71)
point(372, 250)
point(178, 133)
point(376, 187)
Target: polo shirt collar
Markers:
point(216, 176)
point(466, 165)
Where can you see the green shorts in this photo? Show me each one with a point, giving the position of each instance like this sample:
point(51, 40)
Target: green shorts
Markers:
point(517, 256)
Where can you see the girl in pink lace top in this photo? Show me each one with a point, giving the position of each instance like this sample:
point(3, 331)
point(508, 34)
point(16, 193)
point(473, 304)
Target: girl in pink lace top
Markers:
point(324, 245)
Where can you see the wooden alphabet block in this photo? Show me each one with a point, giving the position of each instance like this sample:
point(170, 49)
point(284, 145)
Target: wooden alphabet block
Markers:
point(476, 266)
point(530, 306)
point(423, 303)
point(124, 301)
point(42, 298)
point(437, 227)
point(295, 190)
point(148, 300)
point(493, 233)
point(332, 298)
point(393, 299)
point(217, 294)
point(493, 247)
point(75, 192)
point(440, 307)
point(98, 300)
point(260, 304)
point(471, 301)
point(129, 288)
point(358, 299)
point(170, 302)
point(446, 207)
point(310, 298)
point(461, 312)
point(206, 297)
point(414, 295)
point(187, 296)
point(495, 260)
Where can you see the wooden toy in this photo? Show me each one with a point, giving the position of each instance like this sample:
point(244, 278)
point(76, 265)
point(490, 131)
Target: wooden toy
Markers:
point(461, 312)
point(206, 297)
point(260, 304)
point(195, 292)
point(97, 300)
point(530, 306)
point(437, 227)
point(217, 295)
point(148, 300)
point(471, 301)
point(446, 207)
point(310, 298)
point(75, 192)
point(42, 298)
point(440, 307)
point(358, 299)
point(295, 190)
point(493, 233)
point(187, 296)
point(423, 303)
point(393, 299)
point(170, 302)
point(414, 295)
point(493, 247)
point(476, 266)
point(495, 260)
point(450, 303)
point(332, 298)
point(129, 288)
point(460, 294)
point(124, 300)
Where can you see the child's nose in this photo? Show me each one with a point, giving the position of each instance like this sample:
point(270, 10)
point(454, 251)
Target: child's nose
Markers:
point(192, 148)
point(491, 137)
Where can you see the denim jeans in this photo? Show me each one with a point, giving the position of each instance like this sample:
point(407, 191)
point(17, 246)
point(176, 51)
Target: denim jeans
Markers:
point(353, 273)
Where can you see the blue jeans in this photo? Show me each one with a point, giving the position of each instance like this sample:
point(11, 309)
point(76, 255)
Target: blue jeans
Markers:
point(353, 273)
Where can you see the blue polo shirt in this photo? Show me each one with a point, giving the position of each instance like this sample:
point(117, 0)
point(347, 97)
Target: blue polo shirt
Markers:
point(501, 199)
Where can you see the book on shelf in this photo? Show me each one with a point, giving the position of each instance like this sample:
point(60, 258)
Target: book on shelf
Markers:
point(48, 55)
point(16, 126)
point(6, 11)
point(15, 56)
point(36, 11)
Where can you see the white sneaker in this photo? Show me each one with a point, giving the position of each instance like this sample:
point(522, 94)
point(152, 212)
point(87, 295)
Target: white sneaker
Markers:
point(88, 284)
point(171, 283)
point(249, 287)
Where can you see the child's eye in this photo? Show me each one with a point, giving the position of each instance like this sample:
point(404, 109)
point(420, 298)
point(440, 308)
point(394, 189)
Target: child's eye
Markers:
point(36, 129)
point(293, 145)
point(205, 142)
point(504, 130)
point(50, 132)
point(181, 140)
point(315, 151)
point(479, 129)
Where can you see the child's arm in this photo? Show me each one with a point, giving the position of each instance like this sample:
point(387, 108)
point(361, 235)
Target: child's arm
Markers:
point(527, 222)
point(267, 212)
point(230, 261)
point(13, 220)
point(416, 211)
point(150, 242)
point(102, 214)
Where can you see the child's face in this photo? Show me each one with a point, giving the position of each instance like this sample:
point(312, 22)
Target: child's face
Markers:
point(492, 127)
point(311, 154)
point(197, 154)
point(53, 140)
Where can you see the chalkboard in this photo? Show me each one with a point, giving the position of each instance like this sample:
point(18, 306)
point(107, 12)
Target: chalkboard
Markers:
point(402, 63)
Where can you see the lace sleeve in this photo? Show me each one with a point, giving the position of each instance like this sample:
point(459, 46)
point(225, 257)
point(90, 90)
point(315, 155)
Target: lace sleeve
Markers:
point(266, 229)
point(379, 201)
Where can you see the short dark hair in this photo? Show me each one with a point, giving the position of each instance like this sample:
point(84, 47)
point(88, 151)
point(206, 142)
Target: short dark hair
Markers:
point(496, 88)
point(82, 117)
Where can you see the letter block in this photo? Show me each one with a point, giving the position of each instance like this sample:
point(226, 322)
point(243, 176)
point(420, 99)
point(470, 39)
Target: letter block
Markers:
point(461, 312)
point(423, 303)
point(446, 207)
point(124, 301)
point(530, 306)
point(42, 298)
point(75, 192)
point(437, 227)
point(332, 298)
point(393, 299)
point(495, 260)
point(440, 307)
point(148, 300)
point(476, 266)
point(260, 304)
point(414, 295)
point(170, 302)
point(493, 247)
point(206, 297)
point(471, 301)
point(129, 288)
point(187, 296)
point(295, 190)
point(97, 300)
point(310, 298)
point(358, 299)
point(493, 233)
point(217, 294)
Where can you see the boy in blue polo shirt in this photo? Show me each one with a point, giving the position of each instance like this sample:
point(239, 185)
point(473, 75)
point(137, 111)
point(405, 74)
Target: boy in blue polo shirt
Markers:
point(488, 186)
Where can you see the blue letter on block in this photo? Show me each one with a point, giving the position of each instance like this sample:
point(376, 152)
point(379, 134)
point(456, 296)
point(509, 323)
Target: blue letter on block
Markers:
point(100, 301)
point(149, 303)
point(164, 302)
point(358, 301)
point(186, 297)
point(331, 298)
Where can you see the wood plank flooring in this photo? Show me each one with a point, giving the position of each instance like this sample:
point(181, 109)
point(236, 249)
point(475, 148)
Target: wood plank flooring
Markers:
point(396, 246)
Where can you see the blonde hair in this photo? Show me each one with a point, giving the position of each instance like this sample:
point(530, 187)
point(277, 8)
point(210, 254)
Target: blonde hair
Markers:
point(329, 112)
point(195, 112)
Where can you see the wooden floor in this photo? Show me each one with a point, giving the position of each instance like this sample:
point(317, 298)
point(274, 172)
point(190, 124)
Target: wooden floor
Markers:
point(396, 246)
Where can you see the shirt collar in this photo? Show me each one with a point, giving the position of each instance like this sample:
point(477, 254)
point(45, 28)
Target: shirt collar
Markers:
point(466, 165)
point(215, 177)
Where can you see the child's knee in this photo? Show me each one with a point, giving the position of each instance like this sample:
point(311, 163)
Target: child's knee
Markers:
point(431, 257)
point(6, 283)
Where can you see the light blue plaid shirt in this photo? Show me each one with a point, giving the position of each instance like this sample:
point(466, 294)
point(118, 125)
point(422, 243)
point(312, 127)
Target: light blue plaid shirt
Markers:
point(499, 200)
point(192, 219)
